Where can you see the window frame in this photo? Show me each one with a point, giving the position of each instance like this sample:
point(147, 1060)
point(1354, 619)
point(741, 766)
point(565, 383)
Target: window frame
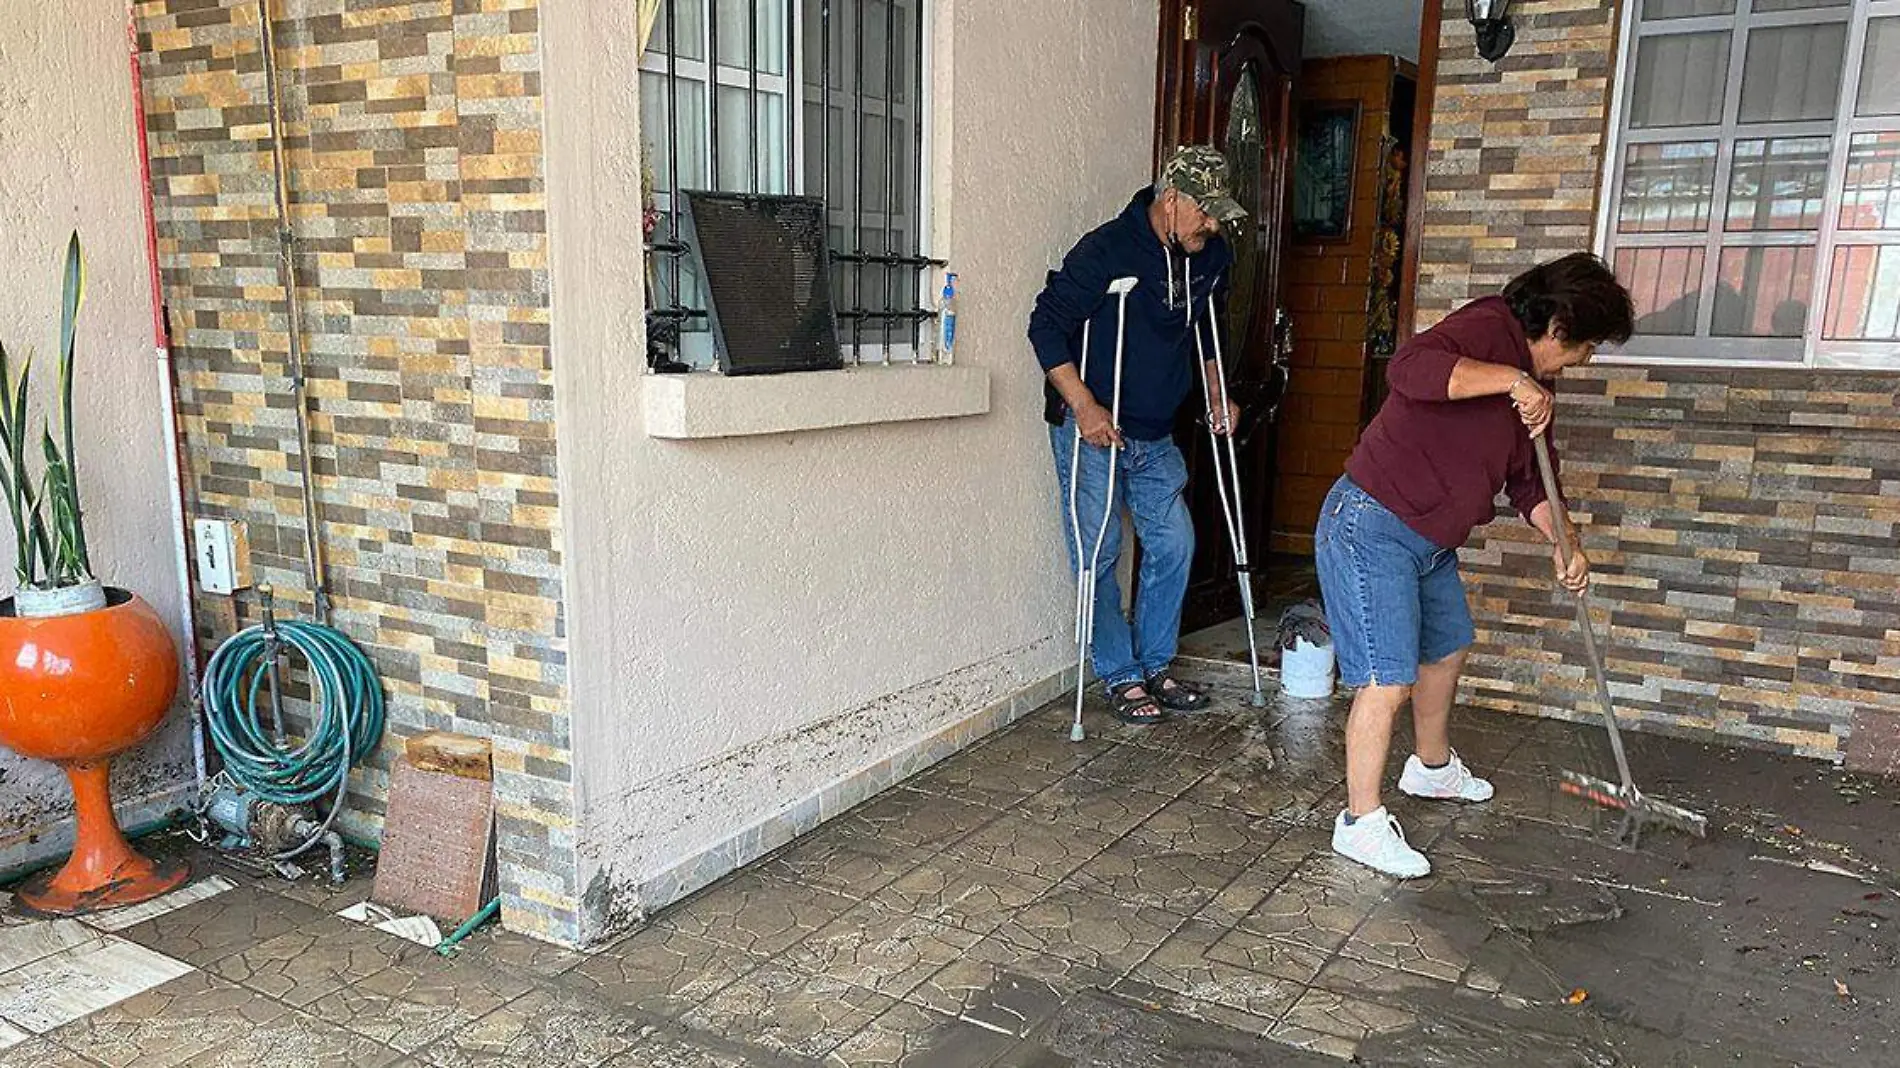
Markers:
point(1812, 350)
point(859, 343)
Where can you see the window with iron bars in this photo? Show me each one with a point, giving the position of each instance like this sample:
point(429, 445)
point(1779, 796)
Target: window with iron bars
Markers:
point(823, 98)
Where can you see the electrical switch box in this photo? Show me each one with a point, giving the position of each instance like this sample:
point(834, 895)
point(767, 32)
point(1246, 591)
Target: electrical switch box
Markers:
point(223, 555)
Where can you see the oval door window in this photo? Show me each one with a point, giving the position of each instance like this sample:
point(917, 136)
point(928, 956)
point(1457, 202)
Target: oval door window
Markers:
point(1246, 151)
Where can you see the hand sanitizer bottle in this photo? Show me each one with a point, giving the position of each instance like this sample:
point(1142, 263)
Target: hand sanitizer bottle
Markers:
point(945, 341)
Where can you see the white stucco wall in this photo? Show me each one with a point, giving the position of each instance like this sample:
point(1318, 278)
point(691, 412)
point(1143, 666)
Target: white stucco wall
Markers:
point(753, 618)
point(68, 159)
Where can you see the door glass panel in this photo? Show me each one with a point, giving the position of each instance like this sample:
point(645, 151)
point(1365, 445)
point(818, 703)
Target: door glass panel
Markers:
point(1245, 145)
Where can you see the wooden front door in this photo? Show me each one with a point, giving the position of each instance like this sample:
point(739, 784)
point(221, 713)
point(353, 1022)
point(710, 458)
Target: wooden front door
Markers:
point(1228, 73)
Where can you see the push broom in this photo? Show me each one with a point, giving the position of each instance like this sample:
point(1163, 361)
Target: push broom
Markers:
point(1638, 810)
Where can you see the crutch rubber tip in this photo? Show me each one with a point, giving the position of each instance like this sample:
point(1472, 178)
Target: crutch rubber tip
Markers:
point(1076, 734)
point(1259, 699)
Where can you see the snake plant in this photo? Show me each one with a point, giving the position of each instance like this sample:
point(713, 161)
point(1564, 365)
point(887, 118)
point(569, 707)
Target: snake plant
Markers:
point(48, 527)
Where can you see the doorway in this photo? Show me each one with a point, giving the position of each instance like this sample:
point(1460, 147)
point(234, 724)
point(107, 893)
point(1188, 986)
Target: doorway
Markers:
point(1228, 75)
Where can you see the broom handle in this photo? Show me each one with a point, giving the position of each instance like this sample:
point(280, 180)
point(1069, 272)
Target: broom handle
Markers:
point(1560, 524)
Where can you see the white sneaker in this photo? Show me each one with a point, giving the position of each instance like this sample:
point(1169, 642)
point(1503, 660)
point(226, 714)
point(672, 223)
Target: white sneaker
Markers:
point(1376, 841)
point(1453, 782)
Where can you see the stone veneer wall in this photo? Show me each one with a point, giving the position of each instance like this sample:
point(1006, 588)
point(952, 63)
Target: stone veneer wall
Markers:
point(1744, 523)
point(417, 201)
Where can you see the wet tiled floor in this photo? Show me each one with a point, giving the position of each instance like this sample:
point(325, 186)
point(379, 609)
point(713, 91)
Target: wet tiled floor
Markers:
point(1147, 897)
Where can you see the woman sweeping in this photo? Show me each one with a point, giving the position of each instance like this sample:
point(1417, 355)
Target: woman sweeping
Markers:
point(1466, 397)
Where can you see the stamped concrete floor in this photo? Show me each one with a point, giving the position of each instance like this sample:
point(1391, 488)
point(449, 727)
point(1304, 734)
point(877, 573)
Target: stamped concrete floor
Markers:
point(1145, 898)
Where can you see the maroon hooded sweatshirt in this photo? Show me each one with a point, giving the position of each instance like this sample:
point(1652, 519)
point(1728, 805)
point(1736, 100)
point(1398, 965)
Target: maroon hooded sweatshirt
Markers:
point(1439, 463)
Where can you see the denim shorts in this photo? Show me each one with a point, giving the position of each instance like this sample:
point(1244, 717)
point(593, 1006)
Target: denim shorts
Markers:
point(1393, 598)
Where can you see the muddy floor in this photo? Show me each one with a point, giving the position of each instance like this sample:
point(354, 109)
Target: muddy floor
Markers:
point(1543, 940)
point(1146, 898)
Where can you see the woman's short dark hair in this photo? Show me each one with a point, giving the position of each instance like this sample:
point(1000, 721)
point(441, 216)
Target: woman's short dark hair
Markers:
point(1578, 294)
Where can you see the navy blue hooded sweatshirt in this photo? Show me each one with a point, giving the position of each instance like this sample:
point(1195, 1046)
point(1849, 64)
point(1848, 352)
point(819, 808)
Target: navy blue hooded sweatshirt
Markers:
point(1159, 367)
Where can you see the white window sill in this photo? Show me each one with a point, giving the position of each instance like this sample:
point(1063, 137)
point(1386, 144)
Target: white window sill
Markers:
point(707, 405)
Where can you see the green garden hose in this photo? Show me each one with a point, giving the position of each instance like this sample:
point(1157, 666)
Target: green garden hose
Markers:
point(346, 719)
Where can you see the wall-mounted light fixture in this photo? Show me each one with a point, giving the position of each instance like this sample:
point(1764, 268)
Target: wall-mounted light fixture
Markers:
point(1491, 20)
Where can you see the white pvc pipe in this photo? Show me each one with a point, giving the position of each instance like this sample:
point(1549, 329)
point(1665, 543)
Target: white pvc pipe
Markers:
point(168, 412)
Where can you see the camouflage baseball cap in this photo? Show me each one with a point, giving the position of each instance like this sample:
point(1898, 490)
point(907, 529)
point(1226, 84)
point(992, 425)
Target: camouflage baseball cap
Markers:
point(1203, 173)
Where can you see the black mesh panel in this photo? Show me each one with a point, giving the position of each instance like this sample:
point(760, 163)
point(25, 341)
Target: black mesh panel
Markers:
point(768, 290)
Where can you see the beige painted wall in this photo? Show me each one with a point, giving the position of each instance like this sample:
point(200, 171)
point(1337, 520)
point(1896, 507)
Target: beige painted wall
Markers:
point(754, 618)
point(68, 159)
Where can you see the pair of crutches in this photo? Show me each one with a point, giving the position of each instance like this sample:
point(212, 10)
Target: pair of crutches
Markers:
point(1226, 476)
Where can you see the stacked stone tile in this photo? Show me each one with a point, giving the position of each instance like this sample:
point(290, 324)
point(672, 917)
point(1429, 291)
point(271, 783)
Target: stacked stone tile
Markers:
point(1745, 524)
point(417, 201)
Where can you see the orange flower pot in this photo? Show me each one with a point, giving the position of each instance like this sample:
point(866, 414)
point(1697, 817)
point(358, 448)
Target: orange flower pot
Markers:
point(79, 690)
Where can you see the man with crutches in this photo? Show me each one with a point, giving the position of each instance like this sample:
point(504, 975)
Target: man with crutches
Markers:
point(1115, 330)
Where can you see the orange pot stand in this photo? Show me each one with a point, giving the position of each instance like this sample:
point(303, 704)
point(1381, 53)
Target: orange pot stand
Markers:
point(79, 690)
point(104, 871)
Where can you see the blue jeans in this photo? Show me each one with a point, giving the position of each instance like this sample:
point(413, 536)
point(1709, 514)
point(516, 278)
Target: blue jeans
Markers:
point(1150, 483)
point(1393, 598)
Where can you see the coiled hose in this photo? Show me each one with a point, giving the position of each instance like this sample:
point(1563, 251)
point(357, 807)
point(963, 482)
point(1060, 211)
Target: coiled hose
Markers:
point(346, 704)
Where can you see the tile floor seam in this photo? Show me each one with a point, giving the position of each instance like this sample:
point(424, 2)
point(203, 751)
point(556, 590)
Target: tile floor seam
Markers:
point(279, 998)
point(696, 1003)
point(1275, 1019)
point(649, 1023)
point(103, 940)
point(779, 959)
point(1327, 957)
point(1064, 886)
point(804, 973)
point(307, 1018)
point(933, 850)
point(95, 935)
point(57, 1044)
point(786, 959)
point(722, 987)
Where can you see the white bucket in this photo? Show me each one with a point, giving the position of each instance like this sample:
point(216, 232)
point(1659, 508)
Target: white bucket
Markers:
point(1306, 670)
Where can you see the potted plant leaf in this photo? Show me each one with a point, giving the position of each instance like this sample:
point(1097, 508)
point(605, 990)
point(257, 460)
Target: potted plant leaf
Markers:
point(88, 671)
point(52, 565)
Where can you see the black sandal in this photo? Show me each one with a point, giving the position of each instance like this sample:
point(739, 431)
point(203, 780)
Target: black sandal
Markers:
point(1175, 695)
point(1143, 711)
